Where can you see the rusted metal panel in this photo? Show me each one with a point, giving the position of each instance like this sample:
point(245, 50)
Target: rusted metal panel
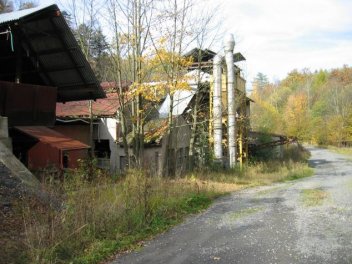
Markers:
point(73, 158)
point(78, 132)
point(26, 104)
point(106, 107)
point(51, 137)
point(43, 155)
point(52, 149)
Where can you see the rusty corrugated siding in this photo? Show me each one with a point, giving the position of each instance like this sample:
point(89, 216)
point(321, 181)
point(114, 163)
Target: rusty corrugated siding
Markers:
point(106, 107)
point(26, 104)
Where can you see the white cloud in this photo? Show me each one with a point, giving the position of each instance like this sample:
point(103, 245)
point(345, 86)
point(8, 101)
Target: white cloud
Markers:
point(277, 36)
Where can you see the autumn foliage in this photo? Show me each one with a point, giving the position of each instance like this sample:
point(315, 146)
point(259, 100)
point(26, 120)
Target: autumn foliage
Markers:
point(313, 106)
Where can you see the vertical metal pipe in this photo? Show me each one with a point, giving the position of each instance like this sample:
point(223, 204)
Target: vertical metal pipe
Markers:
point(229, 45)
point(217, 108)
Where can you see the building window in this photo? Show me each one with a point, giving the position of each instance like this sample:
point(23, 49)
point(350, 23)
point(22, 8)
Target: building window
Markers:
point(102, 148)
point(65, 160)
point(156, 161)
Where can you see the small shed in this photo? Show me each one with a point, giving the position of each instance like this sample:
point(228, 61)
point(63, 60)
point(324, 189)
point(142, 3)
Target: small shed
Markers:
point(41, 147)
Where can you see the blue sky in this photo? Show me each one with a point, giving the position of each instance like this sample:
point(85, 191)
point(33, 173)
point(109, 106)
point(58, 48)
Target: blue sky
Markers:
point(277, 36)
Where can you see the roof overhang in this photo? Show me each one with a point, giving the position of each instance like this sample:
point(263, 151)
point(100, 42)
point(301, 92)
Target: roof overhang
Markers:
point(48, 52)
point(52, 137)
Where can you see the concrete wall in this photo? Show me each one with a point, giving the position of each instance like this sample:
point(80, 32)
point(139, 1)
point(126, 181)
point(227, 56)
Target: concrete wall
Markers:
point(16, 167)
point(181, 134)
point(108, 129)
point(4, 132)
point(153, 159)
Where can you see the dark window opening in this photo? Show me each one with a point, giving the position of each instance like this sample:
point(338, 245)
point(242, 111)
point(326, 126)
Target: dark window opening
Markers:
point(102, 148)
point(65, 160)
point(21, 144)
point(156, 161)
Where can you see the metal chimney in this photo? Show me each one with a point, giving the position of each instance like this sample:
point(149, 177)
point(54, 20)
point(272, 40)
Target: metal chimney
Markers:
point(217, 108)
point(229, 44)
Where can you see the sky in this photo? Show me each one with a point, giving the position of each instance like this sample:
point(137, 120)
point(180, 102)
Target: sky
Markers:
point(278, 36)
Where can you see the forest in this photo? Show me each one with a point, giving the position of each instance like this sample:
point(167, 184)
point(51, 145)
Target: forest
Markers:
point(315, 107)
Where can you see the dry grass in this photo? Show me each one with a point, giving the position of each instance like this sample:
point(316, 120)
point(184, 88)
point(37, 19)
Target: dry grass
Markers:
point(344, 151)
point(313, 197)
point(261, 173)
point(245, 212)
point(103, 216)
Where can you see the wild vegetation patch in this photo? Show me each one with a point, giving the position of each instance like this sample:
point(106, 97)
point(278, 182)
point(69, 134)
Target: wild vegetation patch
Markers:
point(344, 151)
point(244, 213)
point(102, 215)
point(313, 197)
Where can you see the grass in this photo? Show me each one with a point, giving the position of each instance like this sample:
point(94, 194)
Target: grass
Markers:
point(349, 185)
point(245, 212)
point(103, 216)
point(342, 150)
point(260, 173)
point(313, 197)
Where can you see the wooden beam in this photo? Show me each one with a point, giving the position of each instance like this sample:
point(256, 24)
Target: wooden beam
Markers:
point(55, 51)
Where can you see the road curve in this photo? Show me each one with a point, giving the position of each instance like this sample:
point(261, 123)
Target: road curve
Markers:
point(280, 223)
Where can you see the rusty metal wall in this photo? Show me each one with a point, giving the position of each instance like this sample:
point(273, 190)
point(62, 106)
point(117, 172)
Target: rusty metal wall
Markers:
point(43, 155)
point(27, 105)
point(74, 156)
point(78, 132)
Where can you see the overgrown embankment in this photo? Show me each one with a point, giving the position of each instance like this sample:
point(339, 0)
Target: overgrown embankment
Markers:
point(105, 215)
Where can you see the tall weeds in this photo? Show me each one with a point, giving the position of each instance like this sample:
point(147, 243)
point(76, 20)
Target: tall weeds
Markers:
point(102, 215)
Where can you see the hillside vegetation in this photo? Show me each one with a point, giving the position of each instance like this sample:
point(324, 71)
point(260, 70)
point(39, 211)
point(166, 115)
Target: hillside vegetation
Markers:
point(315, 107)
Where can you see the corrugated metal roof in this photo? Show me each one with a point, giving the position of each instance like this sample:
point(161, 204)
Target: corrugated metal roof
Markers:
point(51, 137)
point(101, 107)
point(12, 16)
point(54, 53)
point(182, 98)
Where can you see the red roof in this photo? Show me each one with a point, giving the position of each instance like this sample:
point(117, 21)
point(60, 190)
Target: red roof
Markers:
point(51, 137)
point(101, 107)
point(111, 86)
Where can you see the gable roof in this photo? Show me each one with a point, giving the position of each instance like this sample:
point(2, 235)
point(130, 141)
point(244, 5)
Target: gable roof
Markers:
point(50, 53)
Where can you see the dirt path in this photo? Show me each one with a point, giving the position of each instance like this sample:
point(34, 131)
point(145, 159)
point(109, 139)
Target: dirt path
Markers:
point(306, 221)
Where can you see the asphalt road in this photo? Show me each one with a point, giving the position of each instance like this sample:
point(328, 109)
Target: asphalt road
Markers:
point(305, 221)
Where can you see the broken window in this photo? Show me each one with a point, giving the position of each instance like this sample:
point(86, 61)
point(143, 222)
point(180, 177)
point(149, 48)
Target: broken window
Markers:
point(102, 148)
